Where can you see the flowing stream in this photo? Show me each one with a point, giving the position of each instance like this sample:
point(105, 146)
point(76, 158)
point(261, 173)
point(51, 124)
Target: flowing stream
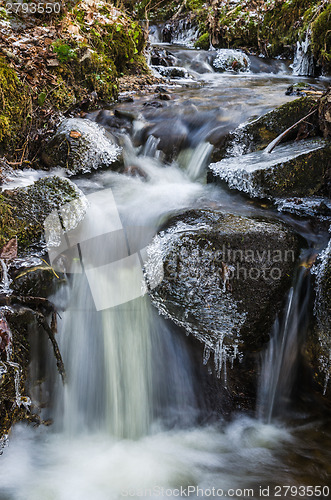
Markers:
point(131, 419)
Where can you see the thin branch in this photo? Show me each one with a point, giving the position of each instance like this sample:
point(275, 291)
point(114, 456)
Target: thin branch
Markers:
point(278, 139)
point(51, 335)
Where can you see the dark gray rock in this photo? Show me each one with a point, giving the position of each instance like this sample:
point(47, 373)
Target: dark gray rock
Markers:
point(224, 278)
point(293, 169)
point(257, 134)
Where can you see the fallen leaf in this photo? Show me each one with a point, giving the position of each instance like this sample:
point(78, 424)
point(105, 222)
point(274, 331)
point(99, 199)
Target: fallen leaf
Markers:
point(73, 29)
point(75, 134)
point(9, 250)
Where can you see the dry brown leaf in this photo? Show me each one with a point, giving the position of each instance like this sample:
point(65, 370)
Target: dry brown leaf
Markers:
point(9, 250)
point(73, 29)
point(75, 134)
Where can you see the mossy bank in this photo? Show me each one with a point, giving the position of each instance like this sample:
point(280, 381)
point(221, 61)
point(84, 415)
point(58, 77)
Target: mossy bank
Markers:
point(81, 53)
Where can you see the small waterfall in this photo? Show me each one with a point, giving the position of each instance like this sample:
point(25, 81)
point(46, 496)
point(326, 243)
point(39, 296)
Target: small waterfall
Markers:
point(279, 366)
point(5, 279)
point(303, 64)
point(126, 369)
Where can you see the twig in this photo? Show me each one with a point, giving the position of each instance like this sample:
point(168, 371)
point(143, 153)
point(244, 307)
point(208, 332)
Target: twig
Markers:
point(51, 335)
point(278, 139)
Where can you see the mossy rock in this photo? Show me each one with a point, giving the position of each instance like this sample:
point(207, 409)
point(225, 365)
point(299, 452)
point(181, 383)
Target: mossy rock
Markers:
point(223, 276)
point(203, 42)
point(81, 146)
point(258, 134)
point(24, 210)
point(15, 106)
point(294, 169)
point(36, 281)
point(284, 23)
point(321, 38)
point(324, 111)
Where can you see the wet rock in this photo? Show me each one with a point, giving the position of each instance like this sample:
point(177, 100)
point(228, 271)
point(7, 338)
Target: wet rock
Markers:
point(38, 280)
point(24, 210)
point(324, 111)
point(153, 104)
point(301, 89)
point(126, 114)
point(294, 169)
point(319, 343)
point(113, 122)
point(259, 133)
point(167, 33)
point(81, 146)
point(161, 57)
point(172, 71)
point(164, 97)
point(222, 278)
point(171, 136)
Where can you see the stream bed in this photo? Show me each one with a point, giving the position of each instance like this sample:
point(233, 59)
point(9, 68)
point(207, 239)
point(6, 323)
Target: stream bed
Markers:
point(131, 420)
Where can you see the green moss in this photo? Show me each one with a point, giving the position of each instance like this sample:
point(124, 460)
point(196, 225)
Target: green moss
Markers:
point(237, 28)
point(203, 42)
point(15, 105)
point(285, 23)
point(155, 10)
point(24, 210)
point(302, 176)
point(63, 51)
point(321, 38)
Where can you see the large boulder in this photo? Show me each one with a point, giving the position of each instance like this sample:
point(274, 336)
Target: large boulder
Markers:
point(294, 169)
point(24, 210)
point(257, 134)
point(224, 278)
point(81, 146)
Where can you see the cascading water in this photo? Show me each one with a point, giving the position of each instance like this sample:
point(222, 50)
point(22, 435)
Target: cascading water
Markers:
point(130, 420)
point(303, 64)
point(279, 365)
